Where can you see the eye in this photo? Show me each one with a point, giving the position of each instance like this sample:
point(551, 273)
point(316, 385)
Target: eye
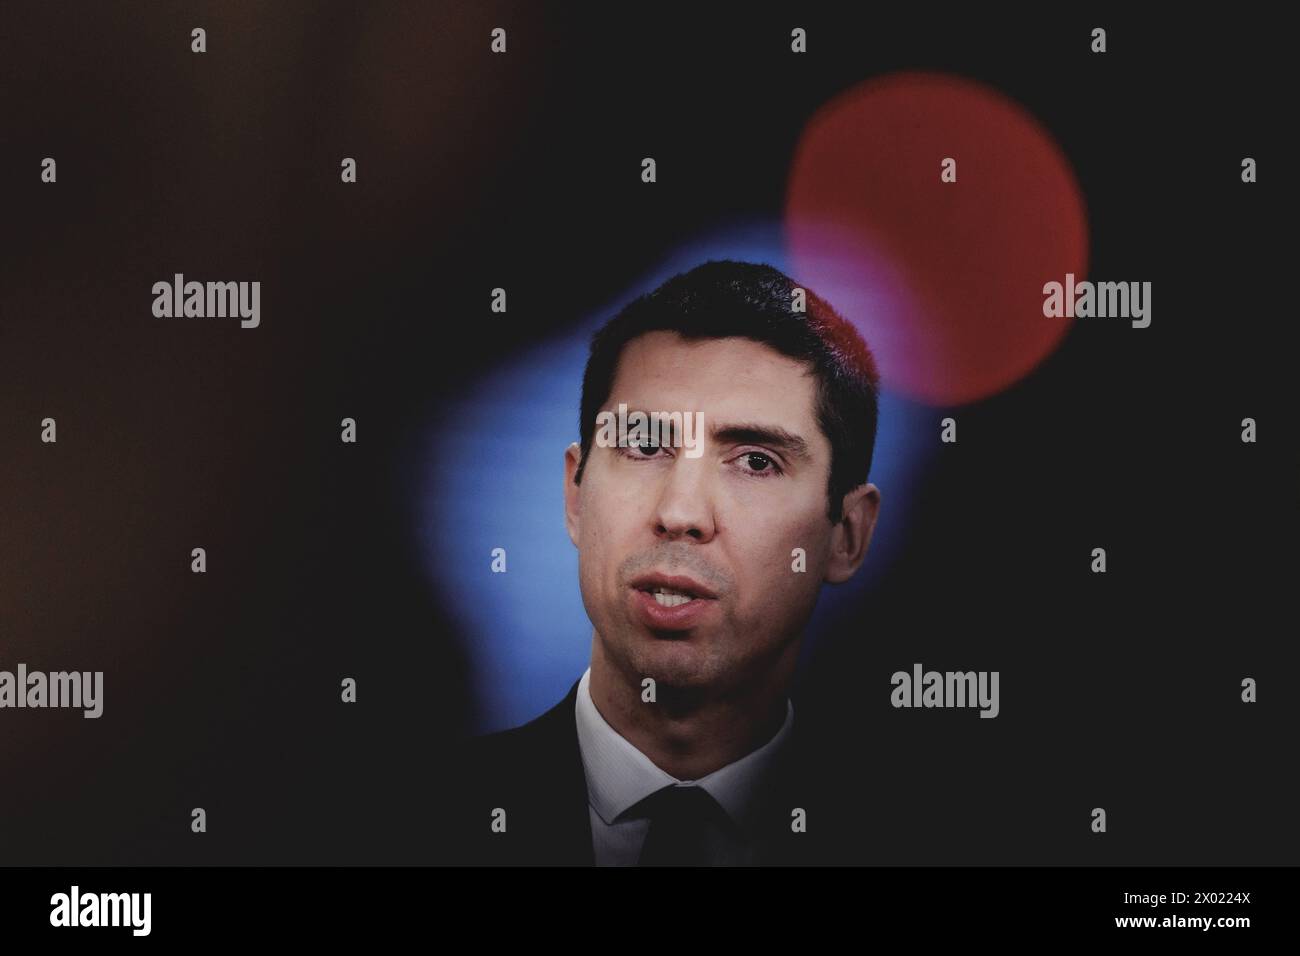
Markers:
point(758, 463)
point(641, 451)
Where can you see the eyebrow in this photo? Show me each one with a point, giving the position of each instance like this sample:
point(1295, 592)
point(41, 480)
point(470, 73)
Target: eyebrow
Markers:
point(748, 433)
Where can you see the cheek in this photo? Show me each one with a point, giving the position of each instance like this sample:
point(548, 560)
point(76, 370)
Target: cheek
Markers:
point(606, 521)
point(771, 570)
point(593, 562)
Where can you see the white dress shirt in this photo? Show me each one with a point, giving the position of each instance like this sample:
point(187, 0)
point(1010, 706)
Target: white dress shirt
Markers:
point(619, 776)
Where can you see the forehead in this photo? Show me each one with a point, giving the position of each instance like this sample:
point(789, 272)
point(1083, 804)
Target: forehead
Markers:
point(729, 380)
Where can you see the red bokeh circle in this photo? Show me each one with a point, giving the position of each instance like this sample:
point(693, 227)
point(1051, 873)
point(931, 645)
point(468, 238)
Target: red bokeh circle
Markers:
point(944, 279)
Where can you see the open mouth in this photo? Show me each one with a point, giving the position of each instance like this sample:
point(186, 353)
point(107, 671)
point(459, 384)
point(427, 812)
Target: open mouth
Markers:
point(669, 603)
point(669, 597)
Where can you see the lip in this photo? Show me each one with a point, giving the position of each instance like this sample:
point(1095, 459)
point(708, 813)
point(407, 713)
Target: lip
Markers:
point(683, 617)
point(676, 582)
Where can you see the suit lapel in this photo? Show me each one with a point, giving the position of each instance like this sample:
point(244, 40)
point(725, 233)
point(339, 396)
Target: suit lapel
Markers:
point(793, 787)
point(557, 817)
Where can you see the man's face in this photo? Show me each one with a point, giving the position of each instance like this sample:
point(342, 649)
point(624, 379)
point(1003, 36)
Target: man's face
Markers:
point(719, 529)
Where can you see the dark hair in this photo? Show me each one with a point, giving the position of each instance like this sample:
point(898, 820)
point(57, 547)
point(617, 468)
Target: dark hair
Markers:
point(722, 299)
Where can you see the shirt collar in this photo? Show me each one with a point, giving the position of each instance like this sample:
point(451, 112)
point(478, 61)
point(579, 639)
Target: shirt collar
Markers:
point(619, 776)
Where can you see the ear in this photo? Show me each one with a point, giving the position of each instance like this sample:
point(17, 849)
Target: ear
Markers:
point(850, 538)
point(572, 509)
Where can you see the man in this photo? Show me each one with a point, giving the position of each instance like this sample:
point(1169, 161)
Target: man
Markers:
point(699, 569)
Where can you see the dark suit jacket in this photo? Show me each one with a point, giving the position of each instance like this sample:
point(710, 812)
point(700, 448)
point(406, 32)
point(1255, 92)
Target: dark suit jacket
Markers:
point(534, 773)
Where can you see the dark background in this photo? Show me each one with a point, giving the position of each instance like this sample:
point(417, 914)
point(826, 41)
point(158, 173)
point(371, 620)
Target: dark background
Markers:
point(221, 690)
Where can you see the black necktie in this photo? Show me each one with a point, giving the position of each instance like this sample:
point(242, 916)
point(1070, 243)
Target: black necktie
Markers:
point(679, 822)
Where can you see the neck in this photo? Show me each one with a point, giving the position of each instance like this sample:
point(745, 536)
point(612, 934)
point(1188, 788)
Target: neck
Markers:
point(690, 734)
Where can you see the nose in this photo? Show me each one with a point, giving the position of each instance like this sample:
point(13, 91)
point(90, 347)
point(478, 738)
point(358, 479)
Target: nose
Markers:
point(685, 507)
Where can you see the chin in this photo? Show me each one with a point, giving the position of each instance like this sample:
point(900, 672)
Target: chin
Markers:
point(679, 661)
